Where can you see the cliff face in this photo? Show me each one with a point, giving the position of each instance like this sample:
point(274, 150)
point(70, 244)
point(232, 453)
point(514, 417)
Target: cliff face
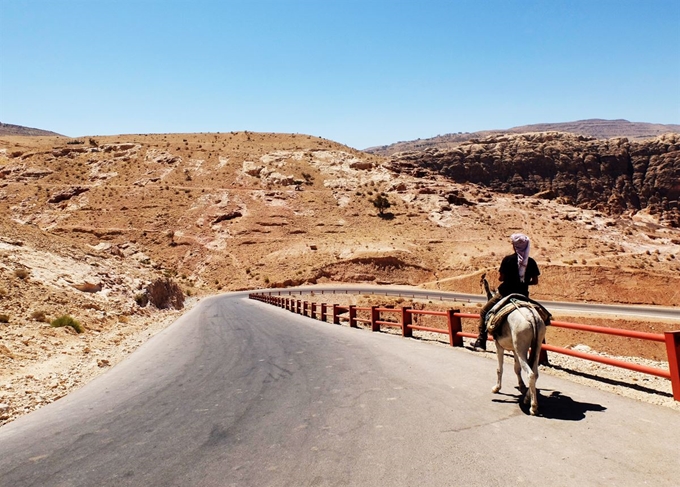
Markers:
point(613, 176)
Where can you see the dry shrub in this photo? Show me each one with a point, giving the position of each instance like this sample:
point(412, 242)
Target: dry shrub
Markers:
point(165, 293)
point(39, 316)
point(21, 273)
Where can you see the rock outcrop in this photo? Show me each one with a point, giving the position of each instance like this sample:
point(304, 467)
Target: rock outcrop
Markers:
point(613, 176)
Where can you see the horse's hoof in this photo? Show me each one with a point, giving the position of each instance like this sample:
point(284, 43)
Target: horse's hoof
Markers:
point(496, 389)
point(533, 410)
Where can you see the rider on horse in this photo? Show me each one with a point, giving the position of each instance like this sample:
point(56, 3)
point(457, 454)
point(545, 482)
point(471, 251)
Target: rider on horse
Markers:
point(517, 272)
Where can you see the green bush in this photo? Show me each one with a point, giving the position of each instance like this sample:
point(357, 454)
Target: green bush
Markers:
point(67, 320)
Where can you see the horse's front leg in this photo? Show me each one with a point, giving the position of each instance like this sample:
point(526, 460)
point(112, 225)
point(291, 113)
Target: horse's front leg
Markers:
point(518, 373)
point(499, 369)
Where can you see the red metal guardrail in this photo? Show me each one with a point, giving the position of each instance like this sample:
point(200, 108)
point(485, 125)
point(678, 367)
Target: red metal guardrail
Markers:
point(404, 319)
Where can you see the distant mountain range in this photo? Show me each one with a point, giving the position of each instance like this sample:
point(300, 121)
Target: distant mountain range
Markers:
point(9, 129)
point(595, 127)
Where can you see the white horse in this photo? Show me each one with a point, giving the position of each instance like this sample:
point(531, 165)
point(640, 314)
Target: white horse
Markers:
point(521, 331)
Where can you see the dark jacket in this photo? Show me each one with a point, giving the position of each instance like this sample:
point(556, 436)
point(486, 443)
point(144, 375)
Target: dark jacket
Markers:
point(510, 271)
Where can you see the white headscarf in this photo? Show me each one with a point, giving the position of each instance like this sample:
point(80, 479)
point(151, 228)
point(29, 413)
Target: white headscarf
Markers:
point(520, 243)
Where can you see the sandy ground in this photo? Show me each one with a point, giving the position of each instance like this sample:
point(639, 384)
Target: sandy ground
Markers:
point(29, 382)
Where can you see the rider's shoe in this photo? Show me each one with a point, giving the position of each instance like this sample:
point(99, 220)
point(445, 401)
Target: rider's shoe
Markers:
point(480, 343)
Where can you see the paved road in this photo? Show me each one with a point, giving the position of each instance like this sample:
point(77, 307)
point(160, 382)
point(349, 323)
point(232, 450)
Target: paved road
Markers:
point(240, 393)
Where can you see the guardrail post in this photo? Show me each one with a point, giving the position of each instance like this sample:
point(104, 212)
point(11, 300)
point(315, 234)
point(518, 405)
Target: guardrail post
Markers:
point(305, 305)
point(455, 327)
point(298, 306)
point(352, 316)
point(324, 312)
point(673, 351)
point(375, 316)
point(406, 322)
point(313, 312)
point(336, 317)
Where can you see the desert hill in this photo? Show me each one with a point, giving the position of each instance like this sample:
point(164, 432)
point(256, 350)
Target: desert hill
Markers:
point(245, 210)
point(9, 129)
point(596, 128)
point(87, 225)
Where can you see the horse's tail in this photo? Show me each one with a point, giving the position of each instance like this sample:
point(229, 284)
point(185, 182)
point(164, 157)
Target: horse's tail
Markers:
point(533, 355)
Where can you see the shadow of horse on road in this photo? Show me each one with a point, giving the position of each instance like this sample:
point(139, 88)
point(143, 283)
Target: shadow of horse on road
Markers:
point(555, 405)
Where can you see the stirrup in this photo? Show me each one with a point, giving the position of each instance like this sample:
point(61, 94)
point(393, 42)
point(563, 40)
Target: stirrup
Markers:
point(480, 343)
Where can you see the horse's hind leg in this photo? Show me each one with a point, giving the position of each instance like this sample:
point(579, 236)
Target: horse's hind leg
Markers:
point(532, 375)
point(499, 369)
point(518, 373)
point(534, 393)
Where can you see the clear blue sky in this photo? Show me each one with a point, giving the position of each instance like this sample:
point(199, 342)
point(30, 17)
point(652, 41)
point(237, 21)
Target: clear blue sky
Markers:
point(360, 72)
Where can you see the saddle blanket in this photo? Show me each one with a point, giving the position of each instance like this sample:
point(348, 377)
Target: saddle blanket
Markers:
point(510, 303)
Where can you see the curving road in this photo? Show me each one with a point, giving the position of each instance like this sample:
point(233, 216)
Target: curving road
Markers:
point(630, 311)
point(239, 393)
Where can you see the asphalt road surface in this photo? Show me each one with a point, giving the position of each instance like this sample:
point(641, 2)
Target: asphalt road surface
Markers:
point(237, 392)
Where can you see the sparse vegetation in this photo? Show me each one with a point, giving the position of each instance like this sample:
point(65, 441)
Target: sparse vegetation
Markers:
point(21, 273)
point(141, 299)
point(381, 203)
point(4, 318)
point(39, 316)
point(66, 320)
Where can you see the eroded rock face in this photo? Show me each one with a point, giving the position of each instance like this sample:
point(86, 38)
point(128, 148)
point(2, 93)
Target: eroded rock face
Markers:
point(613, 176)
point(67, 194)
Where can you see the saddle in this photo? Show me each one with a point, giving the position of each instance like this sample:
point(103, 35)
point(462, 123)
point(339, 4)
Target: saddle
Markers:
point(500, 311)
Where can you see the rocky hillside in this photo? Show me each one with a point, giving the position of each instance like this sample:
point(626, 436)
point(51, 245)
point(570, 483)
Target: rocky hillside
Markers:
point(9, 129)
point(596, 128)
point(245, 210)
point(117, 231)
point(615, 176)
